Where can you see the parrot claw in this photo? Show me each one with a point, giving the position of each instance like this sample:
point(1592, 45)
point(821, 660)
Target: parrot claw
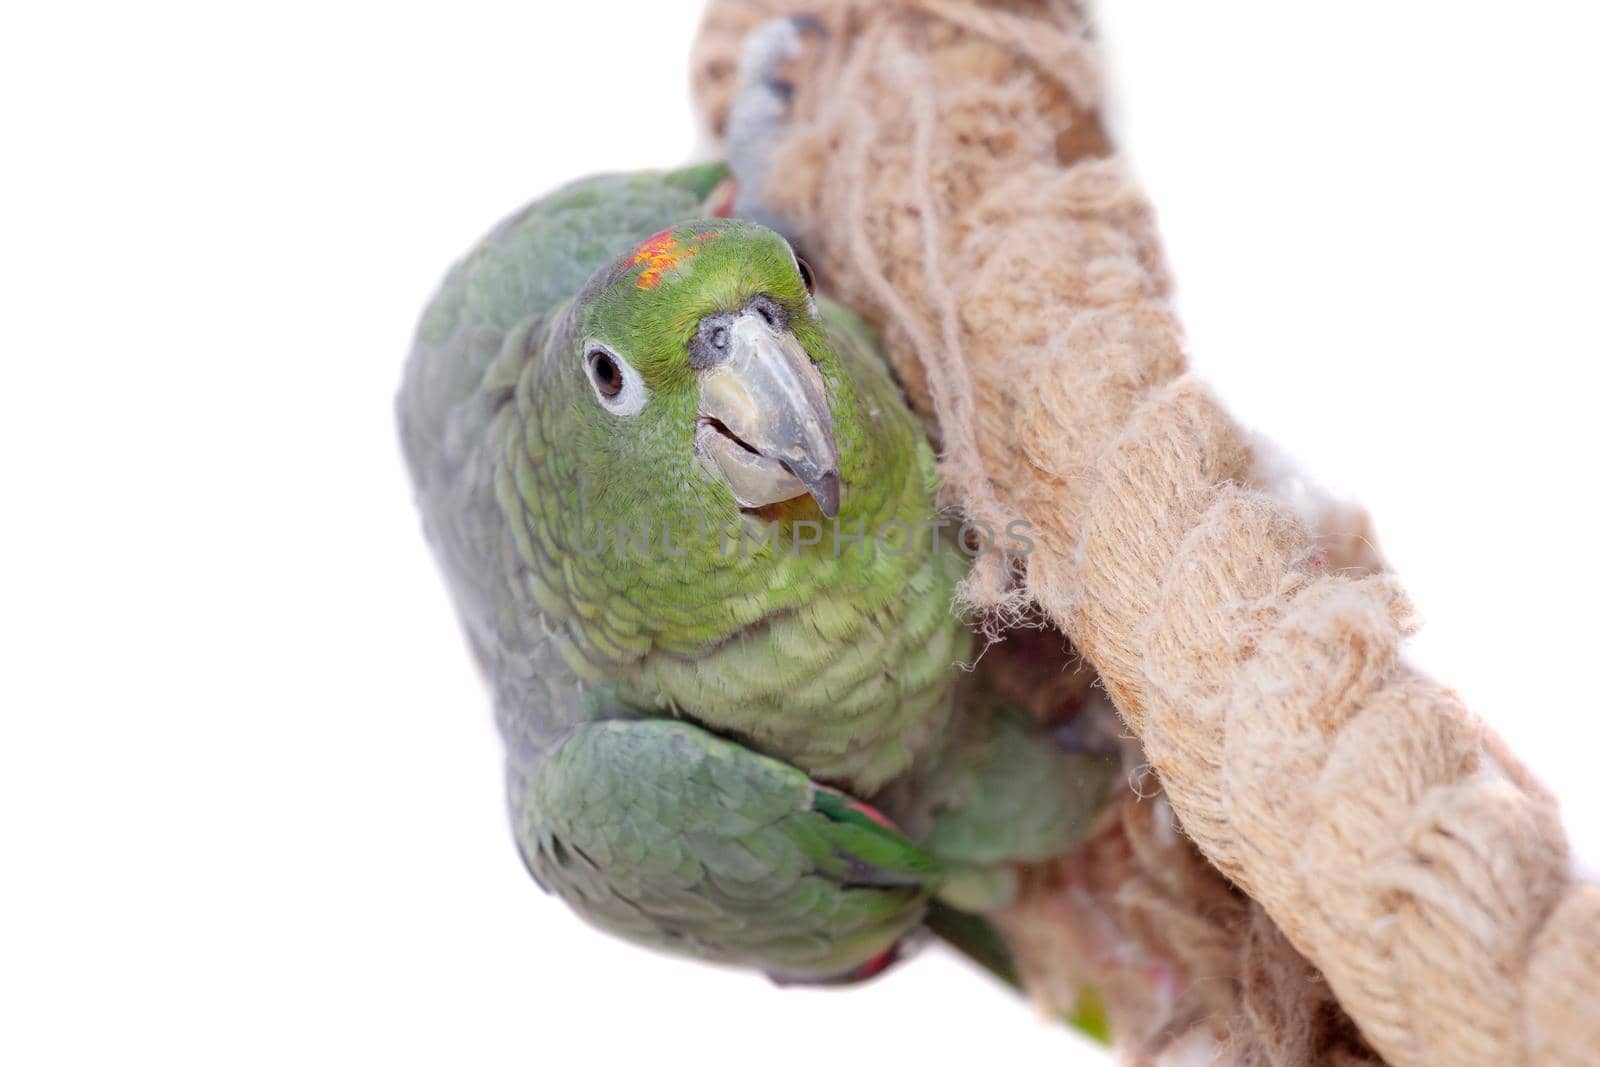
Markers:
point(811, 24)
point(761, 104)
point(1093, 730)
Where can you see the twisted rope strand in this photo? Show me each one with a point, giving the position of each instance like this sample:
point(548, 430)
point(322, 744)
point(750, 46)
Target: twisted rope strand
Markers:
point(1015, 275)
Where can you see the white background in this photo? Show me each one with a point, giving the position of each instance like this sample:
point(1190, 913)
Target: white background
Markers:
point(251, 797)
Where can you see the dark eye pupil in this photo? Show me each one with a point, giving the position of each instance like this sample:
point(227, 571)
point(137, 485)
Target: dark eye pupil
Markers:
point(607, 375)
point(807, 276)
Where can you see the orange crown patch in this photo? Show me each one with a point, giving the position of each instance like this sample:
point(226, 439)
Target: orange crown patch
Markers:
point(663, 252)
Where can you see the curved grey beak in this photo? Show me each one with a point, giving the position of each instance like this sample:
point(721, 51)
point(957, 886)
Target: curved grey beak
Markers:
point(764, 419)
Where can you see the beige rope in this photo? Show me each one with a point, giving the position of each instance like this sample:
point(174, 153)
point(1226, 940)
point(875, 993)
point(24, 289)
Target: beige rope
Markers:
point(947, 171)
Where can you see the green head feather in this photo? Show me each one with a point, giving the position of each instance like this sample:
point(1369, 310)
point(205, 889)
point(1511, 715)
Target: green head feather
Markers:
point(634, 327)
point(771, 622)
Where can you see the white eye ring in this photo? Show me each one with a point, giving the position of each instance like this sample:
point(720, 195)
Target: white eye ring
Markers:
point(619, 388)
point(811, 297)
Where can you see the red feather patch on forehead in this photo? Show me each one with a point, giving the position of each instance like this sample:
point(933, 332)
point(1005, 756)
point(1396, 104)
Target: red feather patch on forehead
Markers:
point(664, 251)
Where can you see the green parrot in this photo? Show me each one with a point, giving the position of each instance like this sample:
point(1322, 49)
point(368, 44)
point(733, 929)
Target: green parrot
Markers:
point(690, 528)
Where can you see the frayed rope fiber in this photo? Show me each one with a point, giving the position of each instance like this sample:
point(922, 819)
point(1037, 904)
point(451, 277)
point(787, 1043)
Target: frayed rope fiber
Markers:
point(946, 170)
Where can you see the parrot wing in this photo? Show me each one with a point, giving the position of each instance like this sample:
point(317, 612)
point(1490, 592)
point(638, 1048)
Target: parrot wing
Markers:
point(668, 835)
point(1008, 792)
point(654, 829)
point(479, 326)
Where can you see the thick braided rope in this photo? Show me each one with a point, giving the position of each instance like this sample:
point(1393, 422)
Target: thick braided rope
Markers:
point(947, 172)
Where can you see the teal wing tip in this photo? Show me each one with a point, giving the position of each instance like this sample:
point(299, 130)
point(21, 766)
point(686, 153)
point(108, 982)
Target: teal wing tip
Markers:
point(841, 808)
point(872, 838)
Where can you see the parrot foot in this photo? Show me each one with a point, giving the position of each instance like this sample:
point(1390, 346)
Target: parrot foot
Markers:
point(1093, 730)
point(760, 110)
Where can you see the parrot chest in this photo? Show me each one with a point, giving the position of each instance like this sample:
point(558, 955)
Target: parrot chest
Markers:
point(854, 689)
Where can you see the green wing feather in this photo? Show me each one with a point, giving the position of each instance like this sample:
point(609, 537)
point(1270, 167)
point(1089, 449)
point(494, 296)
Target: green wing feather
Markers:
point(672, 837)
point(1009, 794)
point(656, 829)
point(473, 338)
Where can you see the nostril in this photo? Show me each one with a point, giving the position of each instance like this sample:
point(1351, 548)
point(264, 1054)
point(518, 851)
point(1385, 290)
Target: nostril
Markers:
point(712, 341)
point(769, 311)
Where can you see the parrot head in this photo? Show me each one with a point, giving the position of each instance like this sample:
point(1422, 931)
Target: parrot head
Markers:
point(700, 375)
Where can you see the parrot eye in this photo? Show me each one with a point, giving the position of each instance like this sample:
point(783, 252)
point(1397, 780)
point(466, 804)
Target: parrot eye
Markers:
point(807, 276)
point(607, 375)
point(616, 384)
